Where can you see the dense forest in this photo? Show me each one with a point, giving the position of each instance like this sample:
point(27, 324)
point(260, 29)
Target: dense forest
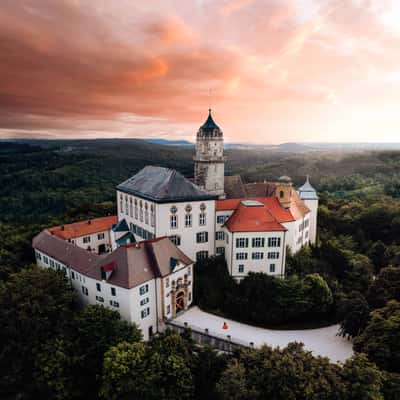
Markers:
point(50, 349)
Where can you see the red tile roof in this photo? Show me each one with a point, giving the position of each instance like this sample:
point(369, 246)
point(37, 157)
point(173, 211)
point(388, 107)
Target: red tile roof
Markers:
point(83, 228)
point(254, 218)
point(296, 211)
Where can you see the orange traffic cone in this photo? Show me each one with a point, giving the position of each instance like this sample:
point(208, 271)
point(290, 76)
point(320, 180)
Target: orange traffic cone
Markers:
point(225, 326)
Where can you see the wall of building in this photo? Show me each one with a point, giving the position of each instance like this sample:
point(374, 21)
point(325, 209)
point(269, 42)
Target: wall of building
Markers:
point(313, 206)
point(93, 241)
point(188, 243)
point(255, 265)
point(298, 233)
point(137, 212)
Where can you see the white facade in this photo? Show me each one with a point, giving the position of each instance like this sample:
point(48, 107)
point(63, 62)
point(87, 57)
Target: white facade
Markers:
point(147, 305)
point(182, 221)
point(255, 252)
point(99, 242)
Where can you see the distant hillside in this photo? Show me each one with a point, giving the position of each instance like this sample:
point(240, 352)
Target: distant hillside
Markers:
point(167, 142)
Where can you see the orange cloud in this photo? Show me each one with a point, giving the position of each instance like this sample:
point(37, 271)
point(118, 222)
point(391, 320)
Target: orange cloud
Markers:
point(279, 70)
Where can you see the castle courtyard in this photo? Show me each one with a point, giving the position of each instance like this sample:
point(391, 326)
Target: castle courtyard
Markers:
point(321, 342)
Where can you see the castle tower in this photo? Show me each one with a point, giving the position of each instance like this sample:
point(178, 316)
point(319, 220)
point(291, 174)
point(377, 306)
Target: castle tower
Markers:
point(284, 191)
point(209, 160)
point(310, 197)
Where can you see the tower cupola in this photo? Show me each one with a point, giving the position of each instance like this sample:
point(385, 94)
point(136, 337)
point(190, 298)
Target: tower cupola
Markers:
point(209, 160)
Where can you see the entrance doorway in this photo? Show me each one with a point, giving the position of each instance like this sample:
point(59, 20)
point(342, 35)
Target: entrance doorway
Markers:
point(102, 248)
point(150, 331)
point(180, 302)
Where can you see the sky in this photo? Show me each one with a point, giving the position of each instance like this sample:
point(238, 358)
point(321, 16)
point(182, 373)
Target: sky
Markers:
point(273, 71)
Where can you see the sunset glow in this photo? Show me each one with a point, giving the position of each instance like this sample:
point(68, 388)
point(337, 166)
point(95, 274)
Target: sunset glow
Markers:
point(273, 71)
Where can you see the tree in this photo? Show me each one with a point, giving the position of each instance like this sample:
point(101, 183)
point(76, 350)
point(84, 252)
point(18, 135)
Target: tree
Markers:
point(317, 293)
point(55, 370)
point(207, 368)
point(360, 274)
point(35, 305)
point(96, 329)
point(385, 287)
point(363, 379)
point(381, 338)
point(353, 309)
point(123, 371)
point(233, 385)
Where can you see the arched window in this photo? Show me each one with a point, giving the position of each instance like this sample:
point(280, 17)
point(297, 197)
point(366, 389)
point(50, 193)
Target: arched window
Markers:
point(281, 194)
point(130, 207)
point(141, 210)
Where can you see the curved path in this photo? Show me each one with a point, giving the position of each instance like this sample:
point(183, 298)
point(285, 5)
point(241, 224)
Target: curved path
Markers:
point(321, 341)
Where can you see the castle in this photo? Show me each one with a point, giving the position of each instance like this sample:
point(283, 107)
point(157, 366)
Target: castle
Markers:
point(140, 262)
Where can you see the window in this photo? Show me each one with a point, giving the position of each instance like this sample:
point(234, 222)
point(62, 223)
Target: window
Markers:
point(189, 296)
point(306, 234)
point(242, 242)
point(114, 303)
point(174, 221)
point(126, 205)
point(85, 291)
point(175, 239)
point(144, 301)
point(136, 209)
point(152, 215)
point(38, 256)
point(219, 235)
point(98, 287)
point(220, 250)
point(273, 255)
point(113, 291)
point(100, 299)
point(86, 239)
point(189, 270)
point(72, 275)
point(202, 219)
point(201, 255)
point(121, 203)
point(144, 289)
point(271, 267)
point(168, 309)
point(146, 213)
point(167, 282)
point(51, 263)
point(144, 313)
point(188, 220)
point(281, 194)
point(100, 236)
point(241, 268)
point(241, 256)
point(274, 242)
point(141, 210)
point(220, 219)
point(188, 208)
point(257, 255)
point(306, 223)
point(202, 237)
point(130, 207)
point(258, 242)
